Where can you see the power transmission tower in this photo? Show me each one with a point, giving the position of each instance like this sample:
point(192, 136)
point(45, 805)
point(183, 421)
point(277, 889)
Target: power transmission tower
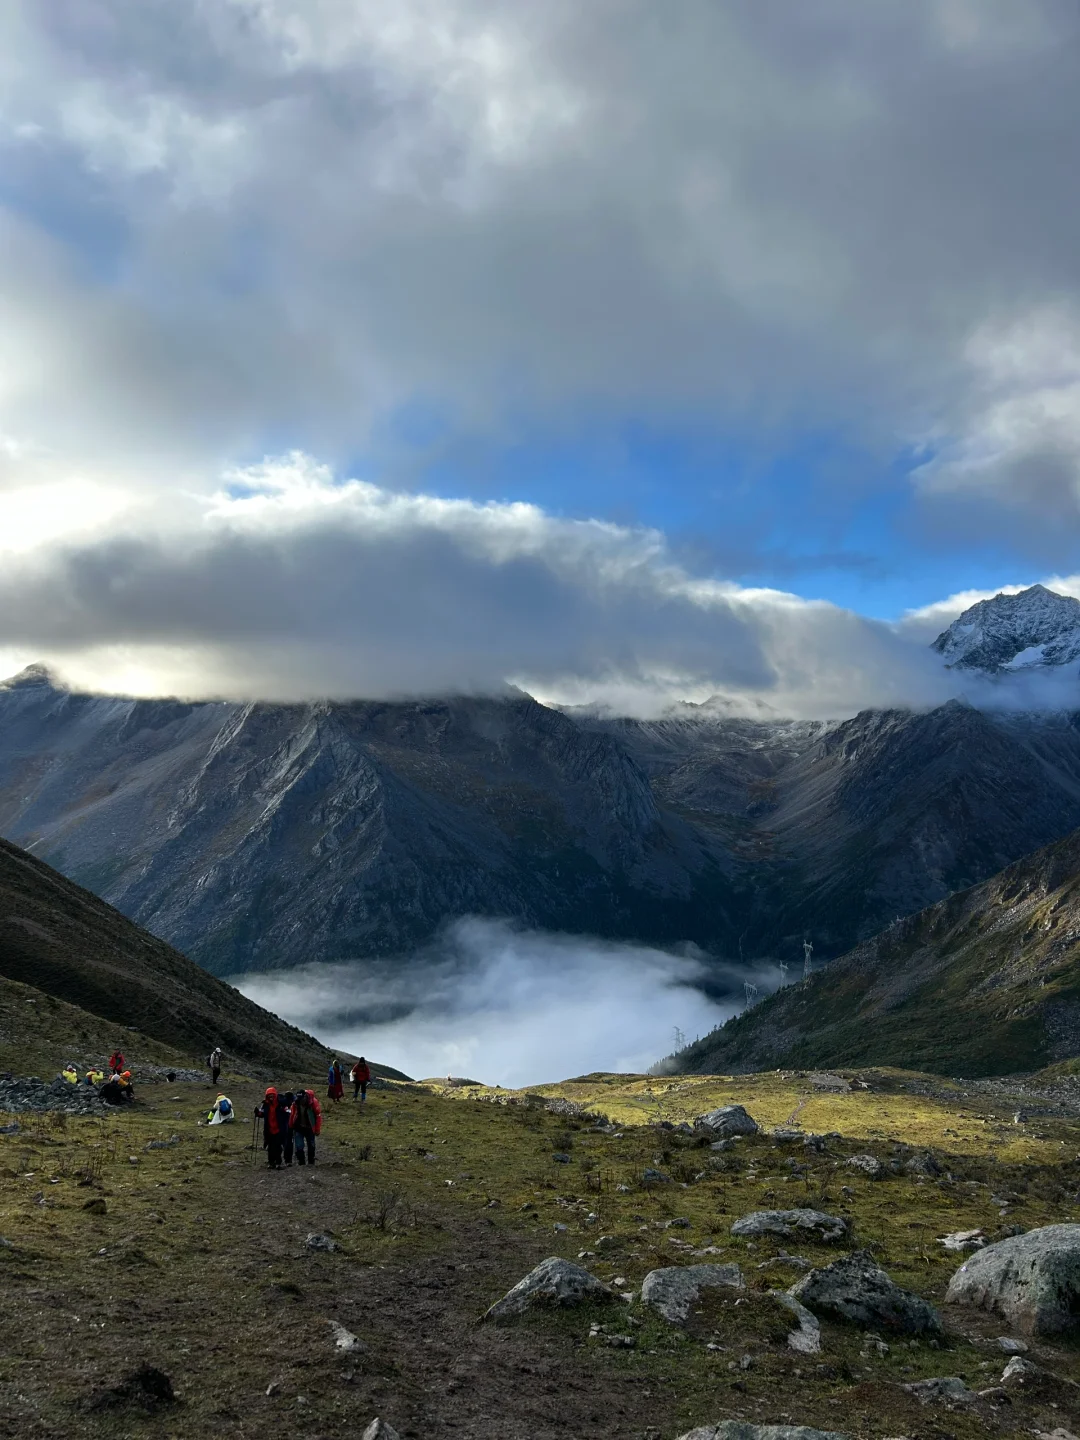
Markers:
point(751, 993)
point(680, 1040)
point(807, 950)
point(784, 967)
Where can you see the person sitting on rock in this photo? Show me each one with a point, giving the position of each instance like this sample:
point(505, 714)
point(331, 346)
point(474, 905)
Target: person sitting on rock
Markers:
point(70, 1074)
point(222, 1113)
point(128, 1084)
point(94, 1076)
point(114, 1093)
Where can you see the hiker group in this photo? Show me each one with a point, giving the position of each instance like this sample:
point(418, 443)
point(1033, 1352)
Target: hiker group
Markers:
point(118, 1089)
point(290, 1124)
point(292, 1120)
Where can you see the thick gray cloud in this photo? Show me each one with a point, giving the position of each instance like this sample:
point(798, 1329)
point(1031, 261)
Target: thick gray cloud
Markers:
point(289, 585)
point(318, 209)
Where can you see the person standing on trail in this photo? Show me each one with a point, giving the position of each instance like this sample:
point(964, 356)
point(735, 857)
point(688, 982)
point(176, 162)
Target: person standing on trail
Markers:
point(306, 1121)
point(287, 1139)
point(116, 1061)
point(214, 1060)
point(360, 1075)
point(275, 1118)
point(335, 1081)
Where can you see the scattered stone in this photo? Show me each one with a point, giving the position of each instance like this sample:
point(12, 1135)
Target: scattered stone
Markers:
point(868, 1165)
point(963, 1240)
point(607, 1242)
point(806, 1339)
point(345, 1340)
point(854, 1288)
point(12, 1129)
point(380, 1430)
point(941, 1387)
point(561, 1158)
point(835, 1083)
point(96, 1206)
point(679, 1223)
point(603, 1336)
point(31, 1093)
point(553, 1282)
point(744, 1430)
point(649, 1175)
point(672, 1290)
point(560, 1228)
point(1019, 1372)
point(320, 1242)
point(1031, 1280)
point(923, 1163)
point(162, 1144)
point(792, 1224)
point(785, 1136)
point(1011, 1346)
point(728, 1120)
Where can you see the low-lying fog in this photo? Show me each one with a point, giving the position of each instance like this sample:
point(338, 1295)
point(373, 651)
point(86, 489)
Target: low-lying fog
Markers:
point(506, 1006)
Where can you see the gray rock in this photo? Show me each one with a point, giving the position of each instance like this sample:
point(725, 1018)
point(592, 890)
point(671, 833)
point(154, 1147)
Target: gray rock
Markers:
point(785, 1136)
point(806, 1339)
point(1019, 1372)
point(553, 1282)
point(963, 1240)
point(1031, 1280)
point(560, 1158)
point(923, 1163)
point(320, 1242)
point(868, 1165)
point(380, 1430)
point(652, 1176)
point(744, 1430)
point(792, 1224)
point(673, 1290)
point(940, 1387)
point(728, 1120)
point(1012, 1346)
point(854, 1288)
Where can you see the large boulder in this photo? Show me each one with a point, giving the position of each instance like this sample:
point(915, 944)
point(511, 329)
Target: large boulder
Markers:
point(674, 1290)
point(791, 1225)
point(1031, 1280)
point(854, 1288)
point(727, 1121)
point(553, 1282)
point(744, 1430)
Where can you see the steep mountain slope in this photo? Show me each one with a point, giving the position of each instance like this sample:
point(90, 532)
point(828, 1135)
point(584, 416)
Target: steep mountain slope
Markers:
point(1037, 627)
point(987, 982)
point(72, 947)
point(834, 830)
point(263, 836)
point(257, 836)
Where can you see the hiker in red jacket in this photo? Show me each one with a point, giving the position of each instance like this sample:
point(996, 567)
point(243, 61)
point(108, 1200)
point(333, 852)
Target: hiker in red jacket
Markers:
point(305, 1117)
point(116, 1062)
point(360, 1074)
point(275, 1118)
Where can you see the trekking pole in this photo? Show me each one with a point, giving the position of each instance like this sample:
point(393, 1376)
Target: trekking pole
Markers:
point(254, 1127)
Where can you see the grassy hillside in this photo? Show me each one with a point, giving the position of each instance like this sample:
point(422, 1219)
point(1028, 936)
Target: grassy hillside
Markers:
point(76, 949)
point(193, 1258)
point(986, 982)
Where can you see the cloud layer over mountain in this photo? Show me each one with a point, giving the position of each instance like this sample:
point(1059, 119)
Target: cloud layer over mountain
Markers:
point(509, 1007)
point(264, 226)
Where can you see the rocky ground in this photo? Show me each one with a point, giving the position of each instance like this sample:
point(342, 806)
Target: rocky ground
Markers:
point(158, 1280)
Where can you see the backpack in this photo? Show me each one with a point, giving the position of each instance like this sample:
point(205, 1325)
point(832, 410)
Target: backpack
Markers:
point(225, 1107)
point(313, 1101)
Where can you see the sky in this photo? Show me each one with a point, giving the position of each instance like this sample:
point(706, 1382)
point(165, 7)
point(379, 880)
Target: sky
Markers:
point(620, 352)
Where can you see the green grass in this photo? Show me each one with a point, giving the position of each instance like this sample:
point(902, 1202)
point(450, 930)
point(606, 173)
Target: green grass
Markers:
point(198, 1263)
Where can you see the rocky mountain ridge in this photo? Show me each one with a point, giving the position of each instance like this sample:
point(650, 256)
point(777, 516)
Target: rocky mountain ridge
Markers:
point(257, 836)
point(1036, 628)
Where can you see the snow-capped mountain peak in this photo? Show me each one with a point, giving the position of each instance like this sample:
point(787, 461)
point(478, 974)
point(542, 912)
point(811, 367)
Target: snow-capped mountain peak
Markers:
point(1035, 629)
